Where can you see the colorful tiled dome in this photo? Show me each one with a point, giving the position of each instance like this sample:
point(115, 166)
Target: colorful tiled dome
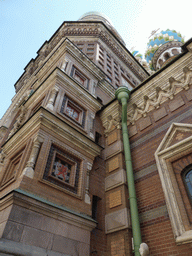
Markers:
point(168, 39)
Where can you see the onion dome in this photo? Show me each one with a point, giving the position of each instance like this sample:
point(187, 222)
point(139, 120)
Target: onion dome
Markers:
point(97, 16)
point(139, 57)
point(136, 54)
point(163, 47)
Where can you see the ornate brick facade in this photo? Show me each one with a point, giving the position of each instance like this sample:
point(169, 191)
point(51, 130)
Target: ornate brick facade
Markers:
point(63, 184)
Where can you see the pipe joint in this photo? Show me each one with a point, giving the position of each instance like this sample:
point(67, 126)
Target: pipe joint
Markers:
point(122, 94)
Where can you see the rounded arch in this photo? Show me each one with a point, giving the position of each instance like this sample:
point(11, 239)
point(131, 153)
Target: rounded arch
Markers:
point(160, 62)
point(175, 52)
point(187, 179)
point(166, 56)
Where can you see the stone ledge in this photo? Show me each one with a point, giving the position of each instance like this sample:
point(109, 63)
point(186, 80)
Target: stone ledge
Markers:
point(10, 248)
point(42, 206)
point(115, 180)
point(117, 221)
point(113, 149)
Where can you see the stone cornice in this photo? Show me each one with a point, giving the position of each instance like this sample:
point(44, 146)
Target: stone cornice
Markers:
point(96, 29)
point(41, 205)
point(162, 87)
point(70, 86)
point(66, 46)
point(45, 119)
point(99, 30)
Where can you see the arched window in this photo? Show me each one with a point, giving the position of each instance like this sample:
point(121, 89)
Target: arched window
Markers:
point(187, 179)
point(166, 56)
point(160, 62)
point(175, 52)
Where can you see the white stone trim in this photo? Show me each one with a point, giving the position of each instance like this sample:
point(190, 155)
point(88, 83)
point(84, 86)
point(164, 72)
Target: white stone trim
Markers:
point(164, 152)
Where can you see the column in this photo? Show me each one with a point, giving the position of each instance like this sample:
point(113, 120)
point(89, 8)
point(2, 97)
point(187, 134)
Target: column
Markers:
point(29, 169)
point(87, 197)
point(51, 101)
point(91, 126)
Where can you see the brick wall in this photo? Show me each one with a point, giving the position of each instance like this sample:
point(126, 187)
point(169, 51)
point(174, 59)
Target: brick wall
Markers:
point(146, 135)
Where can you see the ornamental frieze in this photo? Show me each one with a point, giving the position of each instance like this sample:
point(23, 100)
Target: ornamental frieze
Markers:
point(161, 95)
point(96, 30)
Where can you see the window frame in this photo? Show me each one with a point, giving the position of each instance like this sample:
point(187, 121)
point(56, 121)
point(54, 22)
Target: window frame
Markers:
point(76, 71)
point(184, 174)
point(82, 111)
point(74, 186)
point(165, 155)
point(68, 161)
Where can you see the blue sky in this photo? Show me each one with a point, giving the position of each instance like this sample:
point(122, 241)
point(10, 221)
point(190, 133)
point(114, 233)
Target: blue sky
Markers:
point(26, 24)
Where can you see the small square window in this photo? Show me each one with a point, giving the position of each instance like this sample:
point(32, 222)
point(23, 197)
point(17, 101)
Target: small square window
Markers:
point(101, 53)
point(90, 49)
point(122, 70)
point(109, 79)
point(73, 111)
point(62, 169)
point(79, 77)
point(108, 56)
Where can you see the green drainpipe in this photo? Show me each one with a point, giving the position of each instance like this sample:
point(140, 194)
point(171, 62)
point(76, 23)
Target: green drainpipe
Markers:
point(122, 95)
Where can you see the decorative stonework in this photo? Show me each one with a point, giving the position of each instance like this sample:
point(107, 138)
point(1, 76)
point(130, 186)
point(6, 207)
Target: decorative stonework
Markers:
point(111, 124)
point(52, 98)
point(91, 125)
point(87, 197)
point(112, 138)
point(29, 169)
point(117, 220)
point(20, 120)
point(82, 29)
point(3, 131)
point(116, 179)
point(2, 156)
point(160, 96)
point(177, 143)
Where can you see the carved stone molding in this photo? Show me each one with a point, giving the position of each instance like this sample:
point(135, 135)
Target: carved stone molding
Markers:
point(2, 156)
point(161, 95)
point(3, 130)
point(29, 169)
point(20, 120)
point(52, 98)
point(111, 118)
point(82, 29)
point(111, 124)
point(176, 144)
point(87, 197)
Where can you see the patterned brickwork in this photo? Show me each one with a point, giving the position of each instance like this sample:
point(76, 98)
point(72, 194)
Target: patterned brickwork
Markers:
point(155, 223)
point(160, 240)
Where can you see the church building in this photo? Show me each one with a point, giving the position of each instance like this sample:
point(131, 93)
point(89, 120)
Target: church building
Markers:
point(96, 147)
